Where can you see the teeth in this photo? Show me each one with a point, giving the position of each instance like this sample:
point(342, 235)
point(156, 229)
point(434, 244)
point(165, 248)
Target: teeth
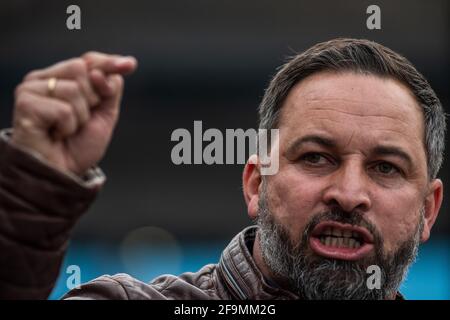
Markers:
point(337, 232)
point(339, 242)
point(334, 242)
point(351, 242)
point(346, 241)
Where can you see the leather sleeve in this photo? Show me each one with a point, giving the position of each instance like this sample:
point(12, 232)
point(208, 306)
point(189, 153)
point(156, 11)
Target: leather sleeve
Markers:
point(38, 209)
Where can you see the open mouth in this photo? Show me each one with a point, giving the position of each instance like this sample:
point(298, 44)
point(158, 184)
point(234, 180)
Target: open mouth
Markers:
point(341, 241)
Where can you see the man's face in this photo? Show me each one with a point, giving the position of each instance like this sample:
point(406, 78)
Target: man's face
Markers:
point(352, 177)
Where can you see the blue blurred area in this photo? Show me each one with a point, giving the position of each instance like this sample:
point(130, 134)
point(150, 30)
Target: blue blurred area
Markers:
point(428, 277)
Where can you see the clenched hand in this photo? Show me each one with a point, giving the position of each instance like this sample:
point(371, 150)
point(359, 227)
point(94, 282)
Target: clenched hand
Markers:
point(70, 122)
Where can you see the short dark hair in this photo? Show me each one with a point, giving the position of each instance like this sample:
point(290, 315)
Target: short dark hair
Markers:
point(366, 57)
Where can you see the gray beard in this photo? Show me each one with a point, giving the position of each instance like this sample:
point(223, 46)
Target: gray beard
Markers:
point(317, 278)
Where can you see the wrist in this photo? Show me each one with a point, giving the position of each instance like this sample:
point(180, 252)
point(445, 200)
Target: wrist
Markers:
point(91, 177)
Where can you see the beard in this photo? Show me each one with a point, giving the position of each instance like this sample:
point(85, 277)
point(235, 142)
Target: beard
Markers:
point(315, 277)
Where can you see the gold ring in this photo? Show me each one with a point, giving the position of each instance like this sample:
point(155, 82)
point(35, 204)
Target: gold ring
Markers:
point(51, 86)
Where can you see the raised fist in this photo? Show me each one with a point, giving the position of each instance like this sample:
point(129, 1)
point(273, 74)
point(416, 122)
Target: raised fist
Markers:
point(67, 112)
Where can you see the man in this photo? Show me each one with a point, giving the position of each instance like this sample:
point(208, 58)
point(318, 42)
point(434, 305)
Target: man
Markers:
point(361, 141)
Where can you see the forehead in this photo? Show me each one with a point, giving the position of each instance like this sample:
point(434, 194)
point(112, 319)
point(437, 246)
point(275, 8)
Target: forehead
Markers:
point(365, 107)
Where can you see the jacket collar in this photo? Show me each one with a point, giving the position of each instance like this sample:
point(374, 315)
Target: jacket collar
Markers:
point(242, 276)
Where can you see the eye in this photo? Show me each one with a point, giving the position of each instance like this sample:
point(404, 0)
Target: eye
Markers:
point(386, 168)
point(314, 158)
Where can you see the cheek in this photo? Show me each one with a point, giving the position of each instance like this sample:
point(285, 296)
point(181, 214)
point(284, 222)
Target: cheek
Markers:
point(396, 215)
point(293, 200)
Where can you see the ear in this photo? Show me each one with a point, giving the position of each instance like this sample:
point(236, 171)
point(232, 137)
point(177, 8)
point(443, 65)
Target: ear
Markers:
point(433, 202)
point(251, 180)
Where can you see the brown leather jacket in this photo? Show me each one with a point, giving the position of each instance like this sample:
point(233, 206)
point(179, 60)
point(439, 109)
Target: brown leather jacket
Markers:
point(38, 209)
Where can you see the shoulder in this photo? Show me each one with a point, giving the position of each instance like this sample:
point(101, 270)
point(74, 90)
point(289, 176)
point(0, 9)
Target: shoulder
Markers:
point(189, 285)
point(113, 287)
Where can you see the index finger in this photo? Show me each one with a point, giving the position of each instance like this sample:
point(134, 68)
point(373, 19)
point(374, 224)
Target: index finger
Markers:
point(109, 63)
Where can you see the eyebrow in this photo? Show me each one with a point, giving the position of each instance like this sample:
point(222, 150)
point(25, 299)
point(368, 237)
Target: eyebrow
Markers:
point(393, 151)
point(320, 140)
point(330, 143)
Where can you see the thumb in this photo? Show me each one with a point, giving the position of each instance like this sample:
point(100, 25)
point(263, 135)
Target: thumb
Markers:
point(110, 88)
point(115, 82)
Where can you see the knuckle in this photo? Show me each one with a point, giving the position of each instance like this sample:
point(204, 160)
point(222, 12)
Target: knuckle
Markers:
point(92, 96)
point(89, 56)
point(19, 89)
point(23, 123)
point(30, 75)
point(118, 82)
point(64, 112)
point(73, 89)
point(78, 67)
point(23, 101)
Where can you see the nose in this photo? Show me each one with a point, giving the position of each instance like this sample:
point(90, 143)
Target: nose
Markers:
point(348, 189)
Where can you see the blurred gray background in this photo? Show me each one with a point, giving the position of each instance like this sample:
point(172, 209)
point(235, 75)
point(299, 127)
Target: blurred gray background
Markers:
point(199, 60)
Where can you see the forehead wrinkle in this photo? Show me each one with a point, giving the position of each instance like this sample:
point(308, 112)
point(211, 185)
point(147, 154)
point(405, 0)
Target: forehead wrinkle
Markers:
point(359, 114)
point(407, 136)
point(350, 139)
point(314, 125)
point(348, 100)
point(319, 92)
point(401, 128)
